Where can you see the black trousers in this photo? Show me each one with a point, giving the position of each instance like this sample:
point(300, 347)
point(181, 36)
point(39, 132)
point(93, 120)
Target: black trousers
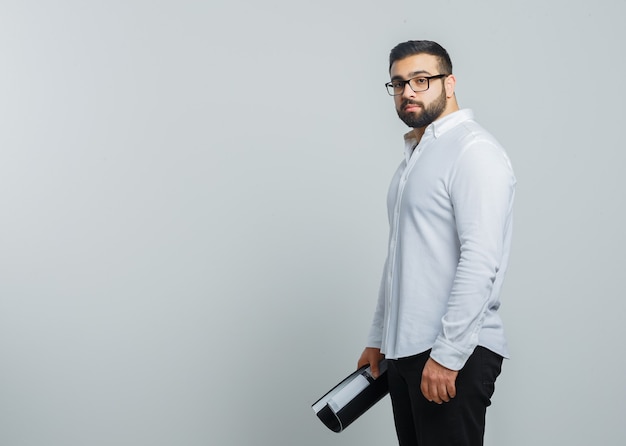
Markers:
point(460, 422)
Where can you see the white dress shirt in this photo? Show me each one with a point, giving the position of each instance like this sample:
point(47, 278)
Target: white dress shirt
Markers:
point(450, 215)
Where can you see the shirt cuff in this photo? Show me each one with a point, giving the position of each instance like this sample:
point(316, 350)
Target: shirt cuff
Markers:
point(374, 339)
point(449, 356)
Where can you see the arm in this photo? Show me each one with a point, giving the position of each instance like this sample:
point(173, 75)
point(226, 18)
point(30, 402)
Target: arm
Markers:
point(371, 355)
point(482, 190)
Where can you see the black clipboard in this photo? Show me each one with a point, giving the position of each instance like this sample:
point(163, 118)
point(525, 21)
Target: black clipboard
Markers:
point(352, 397)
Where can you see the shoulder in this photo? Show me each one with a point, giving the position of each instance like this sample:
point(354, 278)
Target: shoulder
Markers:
point(470, 133)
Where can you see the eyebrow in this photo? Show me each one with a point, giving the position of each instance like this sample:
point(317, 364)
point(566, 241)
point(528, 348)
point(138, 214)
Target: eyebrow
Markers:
point(411, 75)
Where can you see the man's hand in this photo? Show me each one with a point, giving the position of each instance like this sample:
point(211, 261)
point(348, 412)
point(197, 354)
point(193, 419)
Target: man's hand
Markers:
point(438, 382)
point(371, 356)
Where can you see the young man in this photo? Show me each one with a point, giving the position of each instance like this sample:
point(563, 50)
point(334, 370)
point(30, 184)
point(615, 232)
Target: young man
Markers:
point(450, 214)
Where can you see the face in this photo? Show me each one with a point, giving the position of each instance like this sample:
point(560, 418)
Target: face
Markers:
point(418, 110)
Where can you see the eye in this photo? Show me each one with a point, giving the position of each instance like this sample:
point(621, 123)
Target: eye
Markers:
point(420, 80)
point(397, 84)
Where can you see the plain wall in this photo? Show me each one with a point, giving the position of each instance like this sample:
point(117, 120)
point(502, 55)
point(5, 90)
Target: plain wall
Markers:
point(193, 213)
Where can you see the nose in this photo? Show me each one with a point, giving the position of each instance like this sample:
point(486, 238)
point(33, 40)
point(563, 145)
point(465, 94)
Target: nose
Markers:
point(408, 91)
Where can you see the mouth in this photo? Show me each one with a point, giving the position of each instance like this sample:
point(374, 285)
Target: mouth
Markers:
point(410, 107)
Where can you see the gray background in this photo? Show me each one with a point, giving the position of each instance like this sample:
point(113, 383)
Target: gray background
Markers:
point(193, 213)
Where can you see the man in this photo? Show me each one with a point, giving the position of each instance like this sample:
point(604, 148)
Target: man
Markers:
point(450, 211)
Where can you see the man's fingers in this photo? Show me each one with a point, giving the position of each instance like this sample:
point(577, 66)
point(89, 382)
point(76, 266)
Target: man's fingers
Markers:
point(438, 382)
point(374, 367)
point(437, 392)
point(452, 390)
point(373, 361)
point(443, 394)
point(427, 391)
point(371, 357)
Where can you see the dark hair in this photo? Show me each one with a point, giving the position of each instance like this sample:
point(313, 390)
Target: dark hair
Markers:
point(413, 47)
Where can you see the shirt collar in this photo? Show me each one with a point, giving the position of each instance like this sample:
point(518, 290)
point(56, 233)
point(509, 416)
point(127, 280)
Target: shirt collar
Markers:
point(436, 129)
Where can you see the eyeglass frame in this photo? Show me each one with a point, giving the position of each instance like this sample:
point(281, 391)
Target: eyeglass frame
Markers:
point(389, 85)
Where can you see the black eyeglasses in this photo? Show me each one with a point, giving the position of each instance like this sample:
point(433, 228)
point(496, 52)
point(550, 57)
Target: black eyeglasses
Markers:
point(417, 84)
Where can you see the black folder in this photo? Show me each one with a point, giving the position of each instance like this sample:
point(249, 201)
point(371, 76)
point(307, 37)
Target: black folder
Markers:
point(352, 397)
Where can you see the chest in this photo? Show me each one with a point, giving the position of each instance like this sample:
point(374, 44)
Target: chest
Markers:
point(421, 185)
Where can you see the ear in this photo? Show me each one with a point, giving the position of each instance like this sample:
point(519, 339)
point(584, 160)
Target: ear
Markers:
point(450, 84)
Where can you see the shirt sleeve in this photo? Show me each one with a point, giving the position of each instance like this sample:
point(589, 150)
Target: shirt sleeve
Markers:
point(481, 188)
point(375, 337)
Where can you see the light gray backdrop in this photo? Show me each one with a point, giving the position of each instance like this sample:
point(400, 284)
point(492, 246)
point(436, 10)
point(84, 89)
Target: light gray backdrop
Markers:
point(193, 213)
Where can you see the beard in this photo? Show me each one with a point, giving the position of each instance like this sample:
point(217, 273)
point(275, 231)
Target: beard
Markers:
point(427, 115)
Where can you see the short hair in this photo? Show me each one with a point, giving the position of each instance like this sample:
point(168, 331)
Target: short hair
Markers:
point(413, 47)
